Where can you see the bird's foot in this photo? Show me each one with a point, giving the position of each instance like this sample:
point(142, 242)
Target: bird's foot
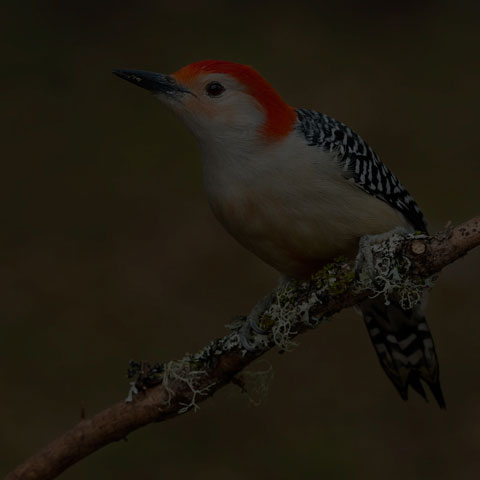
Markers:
point(364, 262)
point(251, 334)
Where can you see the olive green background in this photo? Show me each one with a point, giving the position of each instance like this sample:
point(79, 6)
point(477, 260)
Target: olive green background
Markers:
point(109, 251)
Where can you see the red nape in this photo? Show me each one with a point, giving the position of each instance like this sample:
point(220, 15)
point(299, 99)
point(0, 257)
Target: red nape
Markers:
point(280, 115)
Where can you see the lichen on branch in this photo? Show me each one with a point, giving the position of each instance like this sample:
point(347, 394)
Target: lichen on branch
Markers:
point(165, 390)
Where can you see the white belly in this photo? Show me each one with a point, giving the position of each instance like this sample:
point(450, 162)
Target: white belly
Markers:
point(296, 217)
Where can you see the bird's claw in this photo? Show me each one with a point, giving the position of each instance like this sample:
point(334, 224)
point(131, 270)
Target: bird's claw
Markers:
point(250, 325)
point(364, 263)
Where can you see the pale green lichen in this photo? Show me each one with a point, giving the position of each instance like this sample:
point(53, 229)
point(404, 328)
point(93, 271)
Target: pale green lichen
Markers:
point(181, 371)
point(334, 278)
point(294, 301)
point(191, 368)
point(187, 370)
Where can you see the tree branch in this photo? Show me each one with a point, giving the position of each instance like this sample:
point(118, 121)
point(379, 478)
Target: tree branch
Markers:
point(162, 391)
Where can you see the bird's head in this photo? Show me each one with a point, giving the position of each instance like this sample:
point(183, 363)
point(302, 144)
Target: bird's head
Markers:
point(220, 101)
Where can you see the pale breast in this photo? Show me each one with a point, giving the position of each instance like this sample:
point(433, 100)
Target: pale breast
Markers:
point(297, 217)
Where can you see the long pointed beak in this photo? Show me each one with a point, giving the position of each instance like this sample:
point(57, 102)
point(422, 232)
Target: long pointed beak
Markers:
point(154, 82)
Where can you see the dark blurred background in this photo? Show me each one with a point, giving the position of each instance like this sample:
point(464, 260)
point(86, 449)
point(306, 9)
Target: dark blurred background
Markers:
point(109, 251)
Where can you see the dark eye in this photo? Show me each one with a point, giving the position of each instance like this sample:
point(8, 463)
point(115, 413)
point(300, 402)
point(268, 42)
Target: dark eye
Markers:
point(214, 89)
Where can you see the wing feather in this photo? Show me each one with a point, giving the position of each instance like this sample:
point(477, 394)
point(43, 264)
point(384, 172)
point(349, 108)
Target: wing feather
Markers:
point(359, 163)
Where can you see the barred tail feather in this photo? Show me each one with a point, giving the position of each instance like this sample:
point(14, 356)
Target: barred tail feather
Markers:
point(404, 346)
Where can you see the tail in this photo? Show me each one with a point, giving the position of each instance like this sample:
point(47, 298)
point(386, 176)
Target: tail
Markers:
point(404, 346)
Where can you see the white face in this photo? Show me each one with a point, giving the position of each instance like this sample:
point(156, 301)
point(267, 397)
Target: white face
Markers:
point(216, 108)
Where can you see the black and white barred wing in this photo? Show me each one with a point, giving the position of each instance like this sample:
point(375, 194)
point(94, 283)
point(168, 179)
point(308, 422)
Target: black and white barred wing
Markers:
point(360, 163)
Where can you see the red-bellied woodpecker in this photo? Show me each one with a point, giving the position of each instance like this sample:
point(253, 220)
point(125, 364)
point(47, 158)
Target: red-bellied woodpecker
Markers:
point(298, 188)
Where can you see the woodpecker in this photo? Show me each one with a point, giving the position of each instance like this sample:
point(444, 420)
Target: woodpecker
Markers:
point(298, 188)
